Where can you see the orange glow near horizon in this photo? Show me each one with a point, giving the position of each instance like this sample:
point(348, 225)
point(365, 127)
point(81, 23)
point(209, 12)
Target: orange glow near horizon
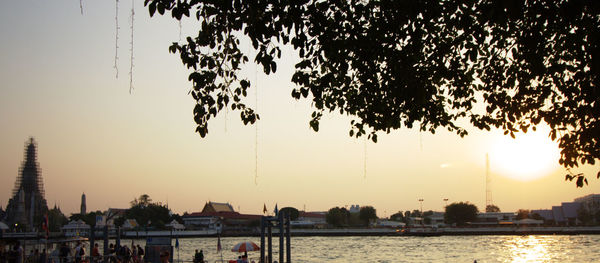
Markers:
point(57, 84)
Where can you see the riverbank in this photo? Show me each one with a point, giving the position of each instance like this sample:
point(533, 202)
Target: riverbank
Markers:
point(454, 231)
point(417, 231)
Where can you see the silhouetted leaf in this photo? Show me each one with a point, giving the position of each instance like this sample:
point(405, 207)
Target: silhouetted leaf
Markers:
point(304, 92)
point(160, 8)
point(152, 8)
point(314, 124)
point(568, 177)
point(580, 181)
point(394, 64)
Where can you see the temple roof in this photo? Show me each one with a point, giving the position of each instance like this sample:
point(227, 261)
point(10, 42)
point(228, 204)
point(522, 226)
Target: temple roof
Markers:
point(212, 207)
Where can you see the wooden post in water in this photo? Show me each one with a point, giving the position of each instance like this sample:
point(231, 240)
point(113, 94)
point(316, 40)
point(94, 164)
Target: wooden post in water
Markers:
point(106, 249)
point(284, 230)
point(262, 239)
point(281, 245)
point(288, 239)
point(118, 242)
point(92, 241)
point(270, 243)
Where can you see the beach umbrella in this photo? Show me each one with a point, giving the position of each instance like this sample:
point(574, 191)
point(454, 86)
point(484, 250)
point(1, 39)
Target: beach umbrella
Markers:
point(245, 247)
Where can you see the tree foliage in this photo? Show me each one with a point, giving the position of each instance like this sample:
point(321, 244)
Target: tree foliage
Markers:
point(492, 209)
point(460, 213)
point(293, 212)
point(424, 64)
point(366, 214)
point(536, 216)
point(56, 219)
point(337, 216)
point(89, 218)
point(427, 217)
point(143, 200)
point(119, 221)
point(522, 214)
point(416, 213)
point(399, 216)
point(148, 214)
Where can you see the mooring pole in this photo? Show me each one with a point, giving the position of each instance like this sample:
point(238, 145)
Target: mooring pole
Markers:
point(270, 243)
point(118, 242)
point(92, 241)
point(106, 250)
point(287, 237)
point(281, 245)
point(262, 239)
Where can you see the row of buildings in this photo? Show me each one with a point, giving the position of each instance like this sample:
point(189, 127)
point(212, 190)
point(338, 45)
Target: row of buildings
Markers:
point(28, 206)
point(216, 217)
point(565, 214)
point(221, 217)
point(570, 213)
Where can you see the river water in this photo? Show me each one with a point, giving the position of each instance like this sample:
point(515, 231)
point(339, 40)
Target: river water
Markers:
point(532, 248)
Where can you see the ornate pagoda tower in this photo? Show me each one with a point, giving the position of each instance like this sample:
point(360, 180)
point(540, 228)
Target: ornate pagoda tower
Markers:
point(28, 205)
point(83, 206)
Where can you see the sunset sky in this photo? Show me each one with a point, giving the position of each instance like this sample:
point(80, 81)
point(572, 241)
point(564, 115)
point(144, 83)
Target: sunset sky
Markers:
point(58, 84)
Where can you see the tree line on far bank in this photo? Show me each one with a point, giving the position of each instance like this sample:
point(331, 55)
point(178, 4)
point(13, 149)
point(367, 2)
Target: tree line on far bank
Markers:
point(459, 214)
point(147, 214)
point(455, 213)
point(151, 215)
point(342, 217)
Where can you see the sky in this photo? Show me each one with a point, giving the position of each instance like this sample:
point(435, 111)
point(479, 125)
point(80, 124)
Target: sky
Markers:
point(58, 84)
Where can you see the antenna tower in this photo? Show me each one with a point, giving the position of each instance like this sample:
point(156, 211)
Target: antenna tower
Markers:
point(488, 182)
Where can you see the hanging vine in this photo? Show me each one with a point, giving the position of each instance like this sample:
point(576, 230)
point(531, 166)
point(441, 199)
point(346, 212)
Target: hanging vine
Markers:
point(179, 30)
point(131, 48)
point(256, 127)
point(365, 160)
point(116, 38)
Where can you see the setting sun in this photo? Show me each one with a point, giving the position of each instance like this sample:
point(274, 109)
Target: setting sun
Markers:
point(527, 157)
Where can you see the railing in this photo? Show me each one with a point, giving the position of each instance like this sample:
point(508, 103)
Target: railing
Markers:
point(20, 235)
point(111, 258)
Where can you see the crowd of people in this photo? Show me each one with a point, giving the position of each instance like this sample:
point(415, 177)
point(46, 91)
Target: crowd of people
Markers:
point(65, 254)
point(16, 254)
point(199, 256)
point(125, 254)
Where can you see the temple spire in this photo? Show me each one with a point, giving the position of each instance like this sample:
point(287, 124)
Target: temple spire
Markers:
point(27, 200)
point(83, 204)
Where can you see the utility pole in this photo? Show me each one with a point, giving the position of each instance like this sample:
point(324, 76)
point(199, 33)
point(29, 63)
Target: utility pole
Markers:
point(488, 183)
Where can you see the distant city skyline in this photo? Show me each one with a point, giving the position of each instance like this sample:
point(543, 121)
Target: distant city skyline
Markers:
point(57, 84)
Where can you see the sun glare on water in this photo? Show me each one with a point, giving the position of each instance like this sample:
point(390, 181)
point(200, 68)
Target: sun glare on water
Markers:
point(529, 249)
point(527, 157)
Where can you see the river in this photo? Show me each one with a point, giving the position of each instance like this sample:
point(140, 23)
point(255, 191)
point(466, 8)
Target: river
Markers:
point(532, 248)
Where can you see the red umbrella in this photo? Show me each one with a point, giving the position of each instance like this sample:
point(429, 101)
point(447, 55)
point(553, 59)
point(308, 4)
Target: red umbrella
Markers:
point(245, 246)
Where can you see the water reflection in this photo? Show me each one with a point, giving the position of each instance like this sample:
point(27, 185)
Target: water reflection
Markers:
point(575, 248)
point(529, 248)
